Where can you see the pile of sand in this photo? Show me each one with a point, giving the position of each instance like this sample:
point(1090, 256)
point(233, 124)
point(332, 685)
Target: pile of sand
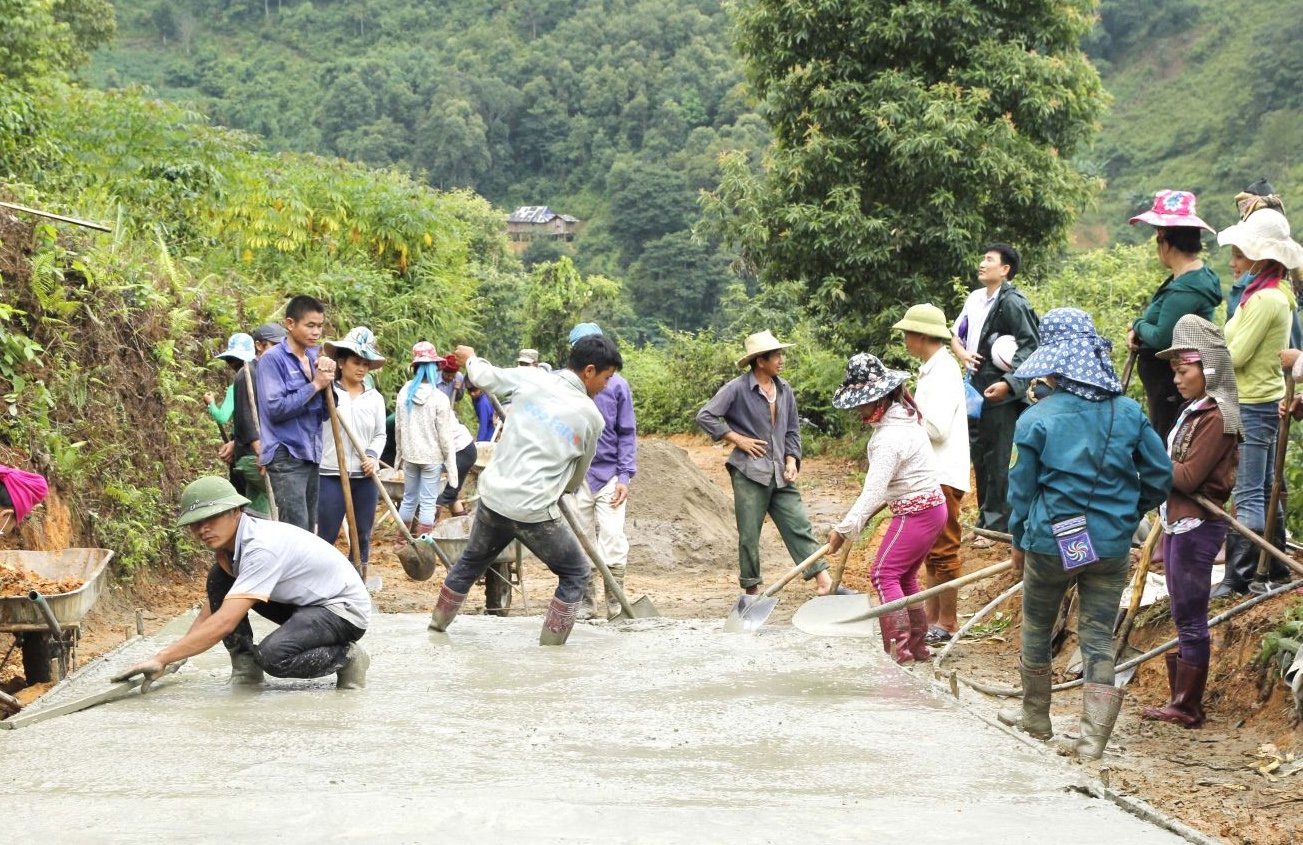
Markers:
point(676, 517)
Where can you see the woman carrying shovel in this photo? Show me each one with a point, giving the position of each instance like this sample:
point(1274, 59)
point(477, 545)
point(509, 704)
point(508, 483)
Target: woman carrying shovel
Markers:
point(1204, 447)
point(362, 409)
point(902, 475)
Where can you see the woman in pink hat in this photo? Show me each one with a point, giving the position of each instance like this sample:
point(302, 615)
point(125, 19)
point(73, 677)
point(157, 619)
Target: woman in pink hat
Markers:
point(1191, 288)
point(424, 435)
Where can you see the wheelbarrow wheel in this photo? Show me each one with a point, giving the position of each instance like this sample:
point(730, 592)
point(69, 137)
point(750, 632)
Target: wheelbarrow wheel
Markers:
point(38, 652)
point(497, 590)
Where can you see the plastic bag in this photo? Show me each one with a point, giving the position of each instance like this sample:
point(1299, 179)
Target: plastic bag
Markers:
point(972, 400)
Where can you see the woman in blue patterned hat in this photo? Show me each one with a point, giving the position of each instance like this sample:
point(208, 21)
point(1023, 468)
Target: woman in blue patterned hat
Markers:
point(901, 475)
point(1087, 466)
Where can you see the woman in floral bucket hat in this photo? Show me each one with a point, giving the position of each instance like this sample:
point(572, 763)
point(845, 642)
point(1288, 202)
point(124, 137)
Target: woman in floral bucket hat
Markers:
point(901, 475)
point(1192, 288)
point(1087, 465)
point(361, 407)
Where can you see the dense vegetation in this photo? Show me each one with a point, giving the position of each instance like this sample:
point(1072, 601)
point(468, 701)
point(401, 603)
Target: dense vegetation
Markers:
point(614, 111)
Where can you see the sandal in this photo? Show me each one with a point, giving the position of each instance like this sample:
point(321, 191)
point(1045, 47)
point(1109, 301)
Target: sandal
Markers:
point(936, 635)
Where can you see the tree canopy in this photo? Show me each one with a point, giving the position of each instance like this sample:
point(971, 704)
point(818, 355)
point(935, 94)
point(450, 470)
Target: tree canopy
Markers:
point(906, 136)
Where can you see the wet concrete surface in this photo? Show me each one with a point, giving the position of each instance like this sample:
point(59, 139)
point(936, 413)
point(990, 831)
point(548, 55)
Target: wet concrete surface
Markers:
point(657, 731)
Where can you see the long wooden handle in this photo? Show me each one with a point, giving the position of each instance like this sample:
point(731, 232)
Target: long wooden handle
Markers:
point(1137, 588)
point(341, 463)
point(791, 574)
point(1248, 533)
point(1127, 369)
point(253, 409)
point(1282, 442)
point(923, 596)
point(576, 526)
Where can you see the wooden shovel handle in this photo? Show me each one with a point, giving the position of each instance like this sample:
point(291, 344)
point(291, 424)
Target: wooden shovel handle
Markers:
point(791, 574)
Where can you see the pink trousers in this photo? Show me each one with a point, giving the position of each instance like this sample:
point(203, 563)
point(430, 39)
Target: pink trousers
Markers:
point(907, 543)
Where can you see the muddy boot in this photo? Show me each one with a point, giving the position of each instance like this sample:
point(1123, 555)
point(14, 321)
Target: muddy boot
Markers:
point(423, 528)
point(445, 610)
point(558, 623)
point(352, 675)
point(1100, 705)
point(917, 634)
point(1033, 717)
point(612, 603)
point(245, 671)
point(895, 635)
point(588, 604)
point(1186, 705)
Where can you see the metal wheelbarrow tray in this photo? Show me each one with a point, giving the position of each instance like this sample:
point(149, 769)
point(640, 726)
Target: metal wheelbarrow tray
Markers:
point(17, 613)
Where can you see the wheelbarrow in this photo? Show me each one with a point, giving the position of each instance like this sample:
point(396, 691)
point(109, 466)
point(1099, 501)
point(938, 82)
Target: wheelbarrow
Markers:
point(505, 576)
point(49, 626)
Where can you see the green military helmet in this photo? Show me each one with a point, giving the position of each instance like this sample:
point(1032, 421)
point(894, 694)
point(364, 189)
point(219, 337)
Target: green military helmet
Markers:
point(207, 497)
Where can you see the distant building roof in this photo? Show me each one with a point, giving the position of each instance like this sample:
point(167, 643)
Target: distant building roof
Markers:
point(531, 214)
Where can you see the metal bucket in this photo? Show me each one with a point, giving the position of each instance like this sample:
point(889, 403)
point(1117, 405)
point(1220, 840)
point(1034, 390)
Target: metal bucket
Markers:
point(453, 533)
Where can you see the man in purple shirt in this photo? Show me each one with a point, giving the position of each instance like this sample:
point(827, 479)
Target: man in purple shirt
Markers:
point(601, 498)
point(291, 410)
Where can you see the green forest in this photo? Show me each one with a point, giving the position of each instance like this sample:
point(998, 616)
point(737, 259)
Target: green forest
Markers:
point(810, 168)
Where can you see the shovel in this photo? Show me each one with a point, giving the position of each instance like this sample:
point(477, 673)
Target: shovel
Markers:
point(850, 616)
point(643, 607)
point(1123, 651)
point(751, 612)
point(418, 559)
point(345, 486)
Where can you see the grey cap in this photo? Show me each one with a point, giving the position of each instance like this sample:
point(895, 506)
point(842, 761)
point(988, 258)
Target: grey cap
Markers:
point(269, 333)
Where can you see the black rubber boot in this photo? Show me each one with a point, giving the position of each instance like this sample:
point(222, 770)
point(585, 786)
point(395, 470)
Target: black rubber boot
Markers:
point(1241, 566)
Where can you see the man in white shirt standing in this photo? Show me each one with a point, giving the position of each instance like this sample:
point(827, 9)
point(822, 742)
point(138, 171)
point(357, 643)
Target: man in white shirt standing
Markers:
point(994, 310)
point(940, 396)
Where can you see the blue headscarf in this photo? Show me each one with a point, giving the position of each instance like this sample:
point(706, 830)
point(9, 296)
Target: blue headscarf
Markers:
point(1074, 353)
point(427, 372)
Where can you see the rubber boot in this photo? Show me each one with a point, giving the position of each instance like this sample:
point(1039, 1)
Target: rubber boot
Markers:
point(612, 603)
point(558, 623)
point(445, 610)
point(1186, 706)
point(1100, 705)
point(588, 604)
point(352, 675)
point(245, 671)
point(423, 528)
point(895, 636)
point(1033, 717)
point(1241, 566)
point(915, 645)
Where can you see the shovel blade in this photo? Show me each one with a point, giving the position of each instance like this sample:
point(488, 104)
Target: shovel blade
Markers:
point(418, 560)
point(1122, 678)
point(823, 616)
point(749, 613)
point(642, 609)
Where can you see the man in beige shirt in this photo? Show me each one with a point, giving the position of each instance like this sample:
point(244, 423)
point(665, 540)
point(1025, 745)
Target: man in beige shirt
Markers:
point(940, 395)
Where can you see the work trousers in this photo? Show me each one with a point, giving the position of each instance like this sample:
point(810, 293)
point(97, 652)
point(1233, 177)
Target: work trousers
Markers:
point(992, 445)
point(331, 511)
point(1099, 589)
point(551, 541)
point(296, 484)
point(465, 460)
point(751, 501)
point(311, 641)
point(421, 485)
point(1188, 564)
point(605, 522)
point(1161, 396)
point(943, 563)
point(903, 548)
